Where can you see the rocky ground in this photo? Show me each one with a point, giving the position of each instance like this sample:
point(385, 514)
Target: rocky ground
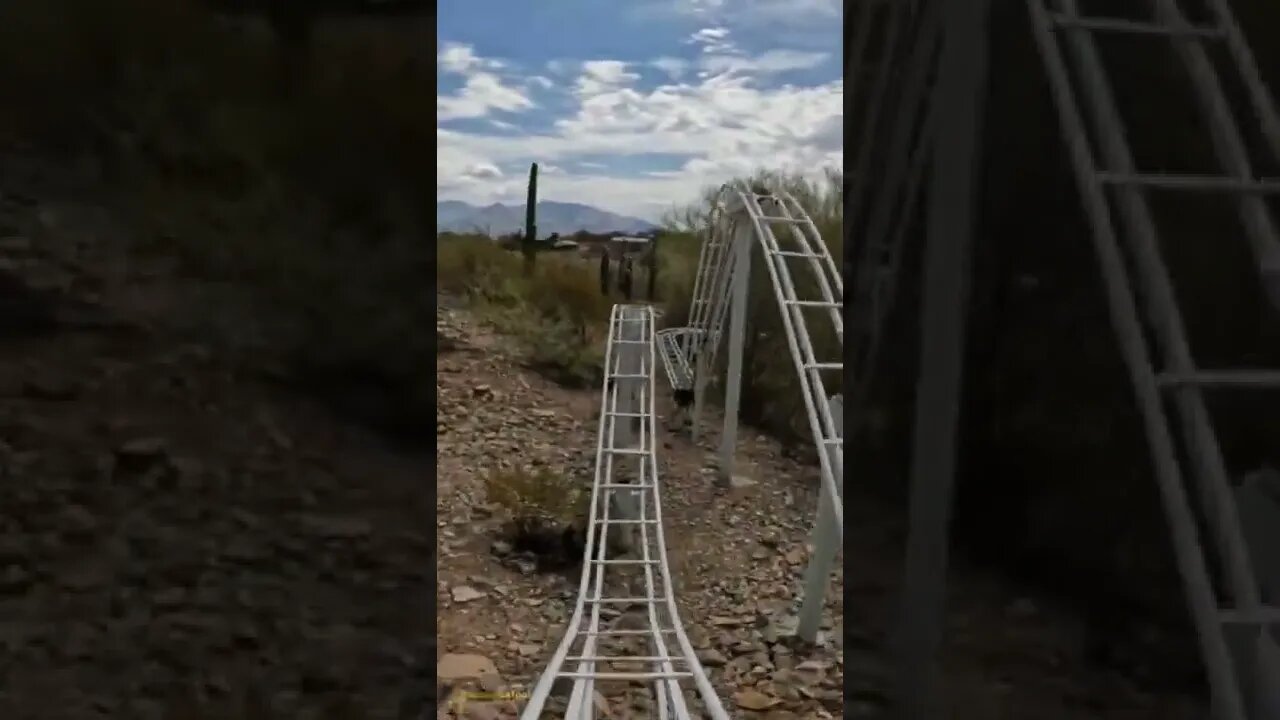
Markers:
point(736, 555)
point(179, 538)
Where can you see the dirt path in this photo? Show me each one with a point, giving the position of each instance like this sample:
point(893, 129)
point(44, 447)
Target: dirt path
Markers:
point(177, 538)
point(737, 556)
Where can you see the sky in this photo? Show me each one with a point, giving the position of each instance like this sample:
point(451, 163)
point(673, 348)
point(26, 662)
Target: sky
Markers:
point(633, 106)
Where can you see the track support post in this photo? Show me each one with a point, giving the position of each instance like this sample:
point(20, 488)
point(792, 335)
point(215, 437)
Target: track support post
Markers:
point(826, 543)
point(737, 335)
point(957, 97)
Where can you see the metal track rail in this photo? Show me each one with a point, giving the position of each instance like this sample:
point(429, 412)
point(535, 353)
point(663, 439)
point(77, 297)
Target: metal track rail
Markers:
point(1244, 676)
point(764, 213)
point(789, 243)
point(589, 654)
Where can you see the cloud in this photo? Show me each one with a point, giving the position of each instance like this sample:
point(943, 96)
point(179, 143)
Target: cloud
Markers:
point(713, 40)
point(481, 94)
point(745, 13)
point(482, 91)
point(484, 171)
point(461, 59)
point(675, 68)
point(609, 137)
point(600, 76)
point(773, 61)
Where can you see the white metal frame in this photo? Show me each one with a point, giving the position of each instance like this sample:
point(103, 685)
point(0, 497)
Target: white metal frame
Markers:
point(741, 220)
point(1241, 657)
point(626, 451)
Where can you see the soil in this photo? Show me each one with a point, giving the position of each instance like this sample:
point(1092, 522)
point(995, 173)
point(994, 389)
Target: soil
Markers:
point(179, 537)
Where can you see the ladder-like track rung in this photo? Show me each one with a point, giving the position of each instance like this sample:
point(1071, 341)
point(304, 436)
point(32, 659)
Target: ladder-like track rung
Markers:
point(638, 658)
point(1222, 379)
point(628, 376)
point(622, 601)
point(1133, 27)
point(780, 219)
point(623, 486)
point(792, 253)
point(1193, 183)
point(814, 303)
point(823, 366)
point(1266, 615)
point(594, 561)
point(626, 521)
point(626, 415)
point(624, 675)
point(626, 633)
point(625, 451)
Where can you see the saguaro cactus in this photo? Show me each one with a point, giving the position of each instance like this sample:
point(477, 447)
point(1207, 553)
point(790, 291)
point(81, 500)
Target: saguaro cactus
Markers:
point(531, 220)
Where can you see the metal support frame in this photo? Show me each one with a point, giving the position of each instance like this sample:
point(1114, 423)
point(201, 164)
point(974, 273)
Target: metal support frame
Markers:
point(957, 97)
point(1239, 630)
point(743, 219)
point(1229, 647)
point(741, 284)
point(826, 542)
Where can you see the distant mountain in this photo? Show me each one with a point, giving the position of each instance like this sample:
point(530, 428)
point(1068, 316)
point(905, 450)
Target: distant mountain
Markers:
point(553, 217)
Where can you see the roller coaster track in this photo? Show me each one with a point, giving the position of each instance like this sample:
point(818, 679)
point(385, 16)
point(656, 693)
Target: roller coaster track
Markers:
point(742, 219)
point(626, 499)
point(741, 215)
point(626, 505)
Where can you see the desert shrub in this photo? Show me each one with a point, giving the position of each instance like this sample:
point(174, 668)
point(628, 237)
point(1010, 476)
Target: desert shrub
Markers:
point(539, 499)
point(568, 290)
point(557, 313)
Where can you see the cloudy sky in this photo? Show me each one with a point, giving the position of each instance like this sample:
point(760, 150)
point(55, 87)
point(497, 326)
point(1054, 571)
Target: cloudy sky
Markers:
point(633, 106)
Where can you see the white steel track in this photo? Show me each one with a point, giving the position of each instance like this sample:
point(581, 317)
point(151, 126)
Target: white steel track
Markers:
point(744, 218)
point(626, 468)
point(740, 208)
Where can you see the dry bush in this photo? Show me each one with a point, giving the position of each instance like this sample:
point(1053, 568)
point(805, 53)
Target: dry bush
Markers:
point(542, 505)
point(557, 312)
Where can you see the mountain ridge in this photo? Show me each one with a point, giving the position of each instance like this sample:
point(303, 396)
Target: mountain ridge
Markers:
point(564, 218)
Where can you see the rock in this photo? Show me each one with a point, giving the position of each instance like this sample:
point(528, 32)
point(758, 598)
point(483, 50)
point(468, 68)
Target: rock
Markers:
point(15, 245)
point(337, 528)
point(465, 667)
point(711, 657)
point(752, 699)
point(77, 521)
point(50, 389)
point(741, 482)
point(14, 579)
point(466, 593)
point(141, 454)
